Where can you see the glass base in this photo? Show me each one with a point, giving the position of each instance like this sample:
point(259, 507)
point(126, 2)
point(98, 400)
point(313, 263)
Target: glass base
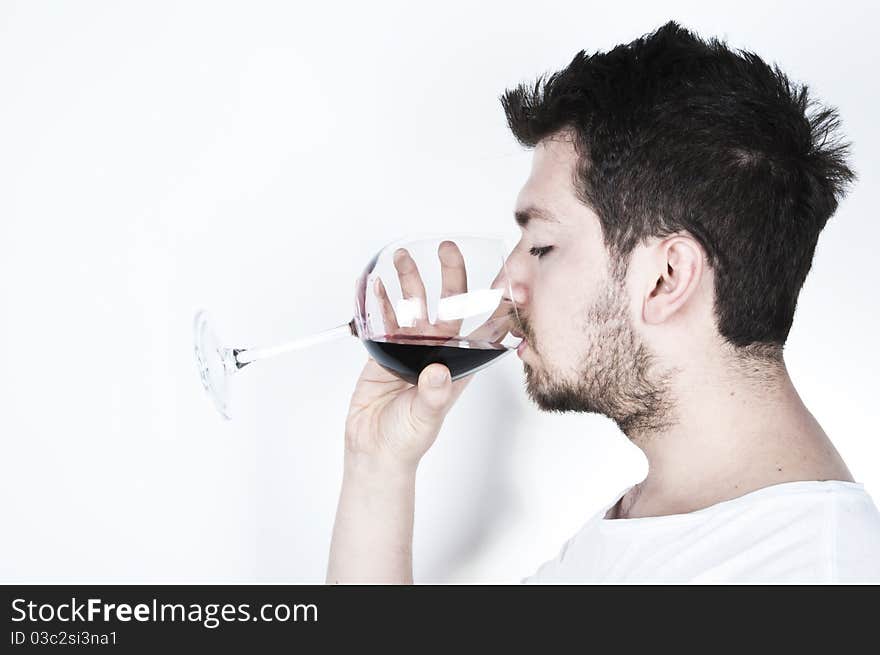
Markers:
point(216, 364)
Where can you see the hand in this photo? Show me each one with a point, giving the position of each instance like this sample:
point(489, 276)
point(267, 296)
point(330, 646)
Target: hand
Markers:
point(389, 420)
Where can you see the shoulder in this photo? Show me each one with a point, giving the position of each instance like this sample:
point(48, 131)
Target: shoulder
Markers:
point(571, 560)
point(855, 538)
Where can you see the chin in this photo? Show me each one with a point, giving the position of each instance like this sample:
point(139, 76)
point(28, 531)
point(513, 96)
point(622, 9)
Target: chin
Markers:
point(555, 396)
point(538, 388)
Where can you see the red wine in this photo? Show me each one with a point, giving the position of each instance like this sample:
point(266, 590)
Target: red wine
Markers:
point(406, 355)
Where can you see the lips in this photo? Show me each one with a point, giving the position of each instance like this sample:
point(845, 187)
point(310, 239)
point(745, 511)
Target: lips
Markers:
point(522, 344)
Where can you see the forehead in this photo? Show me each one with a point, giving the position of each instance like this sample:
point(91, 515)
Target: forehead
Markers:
point(548, 196)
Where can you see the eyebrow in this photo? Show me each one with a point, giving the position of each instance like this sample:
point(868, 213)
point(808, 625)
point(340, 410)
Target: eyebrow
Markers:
point(523, 216)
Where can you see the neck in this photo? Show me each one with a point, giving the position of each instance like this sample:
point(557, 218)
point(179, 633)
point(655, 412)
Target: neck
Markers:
point(736, 426)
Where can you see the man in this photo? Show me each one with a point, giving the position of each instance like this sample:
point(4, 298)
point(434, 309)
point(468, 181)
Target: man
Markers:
point(677, 193)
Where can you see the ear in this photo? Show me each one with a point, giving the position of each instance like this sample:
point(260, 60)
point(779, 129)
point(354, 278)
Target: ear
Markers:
point(677, 268)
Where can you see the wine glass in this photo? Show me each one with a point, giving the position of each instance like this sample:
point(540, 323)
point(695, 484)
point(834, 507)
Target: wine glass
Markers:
point(420, 300)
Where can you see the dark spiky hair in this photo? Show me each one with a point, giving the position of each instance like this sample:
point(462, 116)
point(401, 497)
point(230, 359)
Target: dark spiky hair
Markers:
point(675, 133)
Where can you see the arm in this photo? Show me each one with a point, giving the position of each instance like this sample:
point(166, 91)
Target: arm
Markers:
point(390, 426)
point(372, 537)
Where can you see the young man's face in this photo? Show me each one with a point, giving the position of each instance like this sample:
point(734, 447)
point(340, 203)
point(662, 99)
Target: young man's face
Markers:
point(583, 352)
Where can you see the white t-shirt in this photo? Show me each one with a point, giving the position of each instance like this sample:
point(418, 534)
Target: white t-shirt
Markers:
point(809, 531)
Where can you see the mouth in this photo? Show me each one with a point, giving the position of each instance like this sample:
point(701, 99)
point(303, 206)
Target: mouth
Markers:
point(523, 344)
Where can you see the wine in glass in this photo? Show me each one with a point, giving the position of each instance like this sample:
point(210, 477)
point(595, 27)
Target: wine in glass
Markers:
point(420, 300)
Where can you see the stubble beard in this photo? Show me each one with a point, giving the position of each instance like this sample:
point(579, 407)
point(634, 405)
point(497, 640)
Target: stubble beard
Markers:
point(617, 375)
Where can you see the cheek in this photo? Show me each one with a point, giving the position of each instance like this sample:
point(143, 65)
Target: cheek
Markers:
point(568, 282)
point(563, 306)
point(560, 304)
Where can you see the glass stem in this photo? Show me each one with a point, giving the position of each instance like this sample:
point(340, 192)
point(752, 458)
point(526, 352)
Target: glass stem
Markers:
point(244, 356)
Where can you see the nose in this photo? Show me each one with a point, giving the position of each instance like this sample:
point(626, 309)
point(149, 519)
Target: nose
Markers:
point(514, 279)
point(519, 294)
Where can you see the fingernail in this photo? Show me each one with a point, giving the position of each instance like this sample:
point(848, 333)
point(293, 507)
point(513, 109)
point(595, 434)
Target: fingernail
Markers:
point(437, 378)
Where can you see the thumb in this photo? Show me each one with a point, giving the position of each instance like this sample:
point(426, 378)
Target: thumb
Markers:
point(433, 398)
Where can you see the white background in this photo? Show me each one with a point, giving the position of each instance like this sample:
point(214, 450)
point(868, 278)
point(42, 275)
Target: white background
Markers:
point(250, 158)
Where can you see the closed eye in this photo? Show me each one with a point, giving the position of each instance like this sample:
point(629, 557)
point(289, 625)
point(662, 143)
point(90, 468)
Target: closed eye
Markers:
point(540, 251)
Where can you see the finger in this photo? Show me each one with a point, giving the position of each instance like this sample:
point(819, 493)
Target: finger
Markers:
point(389, 319)
point(411, 285)
point(436, 400)
point(454, 281)
point(432, 400)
